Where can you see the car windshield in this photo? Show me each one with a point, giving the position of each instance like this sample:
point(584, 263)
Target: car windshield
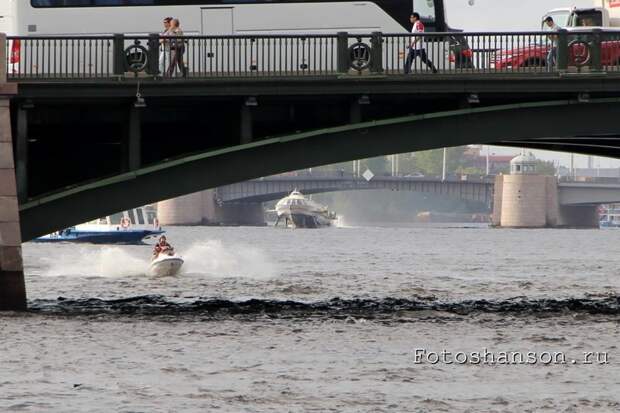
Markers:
point(589, 18)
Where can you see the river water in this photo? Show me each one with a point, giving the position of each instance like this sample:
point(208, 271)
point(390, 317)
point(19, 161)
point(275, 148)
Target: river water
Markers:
point(343, 319)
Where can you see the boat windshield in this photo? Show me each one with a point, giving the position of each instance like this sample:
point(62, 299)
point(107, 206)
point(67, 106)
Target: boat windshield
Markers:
point(140, 216)
point(151, 214)
point(115, 219)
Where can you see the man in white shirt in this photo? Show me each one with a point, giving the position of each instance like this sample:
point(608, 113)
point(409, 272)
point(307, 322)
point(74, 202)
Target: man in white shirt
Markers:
point(553, 50)
point(164, 51)
point(416, 47)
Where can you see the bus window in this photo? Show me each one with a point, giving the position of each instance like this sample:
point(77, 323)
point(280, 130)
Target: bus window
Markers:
point(91, 3)
point(426, 8)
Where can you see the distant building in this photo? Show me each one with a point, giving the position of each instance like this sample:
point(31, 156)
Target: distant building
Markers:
point(497, 163)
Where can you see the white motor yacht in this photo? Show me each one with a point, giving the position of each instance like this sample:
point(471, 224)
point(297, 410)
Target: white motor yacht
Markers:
point(298, 211)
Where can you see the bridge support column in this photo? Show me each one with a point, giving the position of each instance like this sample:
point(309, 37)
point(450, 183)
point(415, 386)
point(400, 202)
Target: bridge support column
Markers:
point(498, 188)
point(202, 208)
point(241, 213)
point(21, 155)
point(12, 285)
point(526, 201)
point(183, 210)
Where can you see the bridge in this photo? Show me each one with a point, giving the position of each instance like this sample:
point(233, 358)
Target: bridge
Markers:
point(93, 118)
point(467, 188)
point(562, 201)
point(479, 189)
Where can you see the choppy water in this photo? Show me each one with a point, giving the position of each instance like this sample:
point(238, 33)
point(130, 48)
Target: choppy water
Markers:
point(268, 319)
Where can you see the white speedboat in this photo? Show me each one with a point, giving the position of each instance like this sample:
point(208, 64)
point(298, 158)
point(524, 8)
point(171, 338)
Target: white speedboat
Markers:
point(166, 265)
point(301, 212)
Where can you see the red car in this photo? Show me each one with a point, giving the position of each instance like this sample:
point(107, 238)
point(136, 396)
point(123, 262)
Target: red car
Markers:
point(578, 54)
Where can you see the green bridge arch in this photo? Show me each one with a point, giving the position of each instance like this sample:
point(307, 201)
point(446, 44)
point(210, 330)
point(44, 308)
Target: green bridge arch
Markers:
point(583, 127)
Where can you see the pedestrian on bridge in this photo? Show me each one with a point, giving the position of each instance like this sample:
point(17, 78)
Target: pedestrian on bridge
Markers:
point(416, 47)
point(177, 48)
point(553, 50)
point(164, 53)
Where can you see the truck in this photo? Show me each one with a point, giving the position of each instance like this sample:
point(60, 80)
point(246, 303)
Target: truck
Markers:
point(603, 15)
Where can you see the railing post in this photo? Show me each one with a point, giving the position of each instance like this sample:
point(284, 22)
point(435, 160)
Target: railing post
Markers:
point(376, 52)
point(119, 54)
point(342, 52)
point(153, 54)
point(595, 49)
point(562, 50)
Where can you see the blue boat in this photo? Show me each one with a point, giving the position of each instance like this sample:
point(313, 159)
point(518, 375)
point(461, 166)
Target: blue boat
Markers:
point(127, 227)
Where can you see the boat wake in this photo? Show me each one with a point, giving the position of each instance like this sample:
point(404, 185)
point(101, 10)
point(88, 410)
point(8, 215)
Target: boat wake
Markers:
point(337, 308)
point(214, 259)
point(210, 259)
point(109, 261)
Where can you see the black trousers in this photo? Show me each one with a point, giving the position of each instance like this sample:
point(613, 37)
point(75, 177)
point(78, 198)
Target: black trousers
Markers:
point(413, 53)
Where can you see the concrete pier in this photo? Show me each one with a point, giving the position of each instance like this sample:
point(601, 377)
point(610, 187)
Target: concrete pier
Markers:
point(183, 210)
point(12, 286)
point(525, 199)
point(202, 208)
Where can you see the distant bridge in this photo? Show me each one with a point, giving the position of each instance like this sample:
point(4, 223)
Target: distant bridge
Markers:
point(467, 188)
point(478, 189)
point(589, 193)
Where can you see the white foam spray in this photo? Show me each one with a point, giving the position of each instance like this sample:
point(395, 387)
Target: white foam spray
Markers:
point(214, 259)
point(202, 259)
point(107, 261)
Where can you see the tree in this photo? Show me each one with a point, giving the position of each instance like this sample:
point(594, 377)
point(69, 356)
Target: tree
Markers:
point(378, 165)
point(470, 170)
point(431, 162)
point(545, 167)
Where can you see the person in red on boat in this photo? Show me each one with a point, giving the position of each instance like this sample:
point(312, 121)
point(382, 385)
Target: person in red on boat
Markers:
point(162, 246)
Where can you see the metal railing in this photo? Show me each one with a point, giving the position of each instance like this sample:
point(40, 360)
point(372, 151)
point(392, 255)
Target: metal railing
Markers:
point(312, 55)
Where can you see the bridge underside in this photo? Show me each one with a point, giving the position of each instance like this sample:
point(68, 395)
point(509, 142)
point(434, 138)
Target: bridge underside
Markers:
point(226, 133)
point(68, 134)
point(577, 194)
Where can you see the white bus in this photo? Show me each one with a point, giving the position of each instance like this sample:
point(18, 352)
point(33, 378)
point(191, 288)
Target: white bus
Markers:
point(42, 18)
point(206, 17)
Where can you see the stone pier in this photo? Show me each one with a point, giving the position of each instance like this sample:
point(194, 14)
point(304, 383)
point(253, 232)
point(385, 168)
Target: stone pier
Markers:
point(531, 201)
point(202, 208)
point(12, 286)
